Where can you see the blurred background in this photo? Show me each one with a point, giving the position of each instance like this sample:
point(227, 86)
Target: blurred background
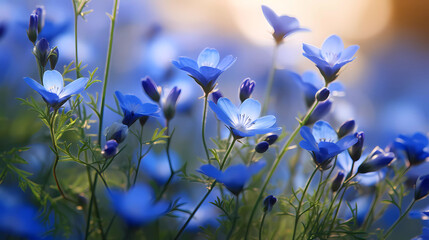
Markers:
point(386, 87)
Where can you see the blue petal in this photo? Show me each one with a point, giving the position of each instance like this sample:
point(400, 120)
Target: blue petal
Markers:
point(308, 137)
point(208, 57)
point(226, 62)
point(211, 74)
point(271, 17)
point(53, 81)
point(263, 130)
point(318, 61)
point(312, 78)
point(187, 62)
point(74, 87)
point(200, 78)
point(256, 167)
point(228, 108)
point(311, 50)
point(252, 109)
point(50, 98)
point(147, 109)
point(332, 44)
point(344, 162)
point(348, 53)
point(263, 122)
point(347, 142)
point(322, 130)
point(210, 171)
point(221, 114)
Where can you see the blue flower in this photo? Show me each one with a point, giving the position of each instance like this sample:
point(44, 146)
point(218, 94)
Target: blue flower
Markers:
point(53, 91)
point(243, 121)
point(323, 143)
point(348, 127)
point(169, 106)
point(331, 57)
point(137, 206)
point(206, 69)
point(283, 25)
point(269, 203)
point(338, 180)
point(133, 108)
point(42, 50)
point(235, 177)
point(376, 160)
point(151, 89)
point(246, 89)
point(414, 147)
point(110, 149)
point(422, 187)
point(117, 131)
point(32, 28)
point(216, 95)
point(321, 110)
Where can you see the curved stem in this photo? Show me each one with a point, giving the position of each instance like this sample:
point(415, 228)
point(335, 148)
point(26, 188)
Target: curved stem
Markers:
point(297, 214)
point(204, 127)
point(208, 192)
point(262, 225)
point(399, 219)
point(106, 69)
point(276, 163)
point(140, 156)
point(234, 221)
point(270, 81)
point(170, 164)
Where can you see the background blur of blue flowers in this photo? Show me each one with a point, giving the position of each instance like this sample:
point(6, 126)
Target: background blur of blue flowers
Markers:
point(386, 90)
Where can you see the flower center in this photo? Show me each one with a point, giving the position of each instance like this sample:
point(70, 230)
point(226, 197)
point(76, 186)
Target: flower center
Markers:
point(54, 89)
point(331, 58)
point(244, 122)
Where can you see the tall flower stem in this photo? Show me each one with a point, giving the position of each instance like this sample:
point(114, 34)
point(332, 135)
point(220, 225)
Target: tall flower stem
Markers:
point(270, 80)
point(262, 225)
point(203, 130)
point(170, 164)
point(297, 214)
point(399, 219)
point(208, 192)
point(75, 39)
point(55, 148)
point(234, 221)
point(41, 70)
point(107, 67)
point(277, 161)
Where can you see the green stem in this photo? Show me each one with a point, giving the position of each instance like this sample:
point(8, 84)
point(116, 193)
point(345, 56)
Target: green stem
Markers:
point(41, 70)
point(297, 214)
point(57, 157)
point(106, 69)
point(276, 163)
point(170, 164)
point(140, 156)
point(399, 219)
point(207, 194)
point(234, 221)
point(204, 127)
point(262, 225)
point(270, 81)
point(75, 40)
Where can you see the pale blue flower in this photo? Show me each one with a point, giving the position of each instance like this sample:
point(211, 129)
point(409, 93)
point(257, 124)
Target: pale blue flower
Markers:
point(53, 91)
point(243, 121)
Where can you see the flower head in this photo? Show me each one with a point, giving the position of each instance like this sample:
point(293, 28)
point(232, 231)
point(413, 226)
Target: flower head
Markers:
point(355, 151)
point(40, 12)
point(137, 206)
point(216, 95)
point(338, 180)
point(246, 89)
point(346, 128)
point(110, 149)
point(269, 203)
point(117, 131)
point(415, 147)
point(42, 50)
point(151, 89)
point(133, 108)
point(169, 106)
point(53, 91)
point(235, 177)
point(283, 25)
point(206, 69)
point(262, 147)
point(271, 138)
point(32, 28)
point(53, 58)
point(243, 121)
point(422, 187)
point(321, 110)
point(323, 143)
point(331, 57)
point(376, 160)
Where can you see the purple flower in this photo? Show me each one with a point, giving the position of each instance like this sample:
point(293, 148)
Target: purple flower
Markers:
point(206, 69)
point(283, 25)
point(331, 57)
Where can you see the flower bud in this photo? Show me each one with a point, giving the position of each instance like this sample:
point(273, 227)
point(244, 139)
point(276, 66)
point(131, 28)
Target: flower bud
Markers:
point(41, 50)
point(143, 120)
point(319, 112)
point(355, 151)
point(422, 187)
point(117, 131)
point(246, 89)
point(377, 160)
point(40, 12)
point(269, 203)
point(262, 147)
point(110, 149)
point(53, 58)
point(216, 95)
point(32, 28)
point(169, 107)
point(271, 138)
point(322, 94)
point(338, 180)
point(346, 128)
point(151, 89)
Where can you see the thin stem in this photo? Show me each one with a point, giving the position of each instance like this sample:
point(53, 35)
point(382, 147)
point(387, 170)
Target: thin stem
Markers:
point(234, 221)
point(262, 225)
point(204, 127)
point(399, 219)
point(106, 69)
point(276, 163)
point(170, 164)
point(270, 81)
point(140, 155)
point(75, 39)
point(297, 214)
point(54, 146)
point(41, 70)
point(208, 192)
